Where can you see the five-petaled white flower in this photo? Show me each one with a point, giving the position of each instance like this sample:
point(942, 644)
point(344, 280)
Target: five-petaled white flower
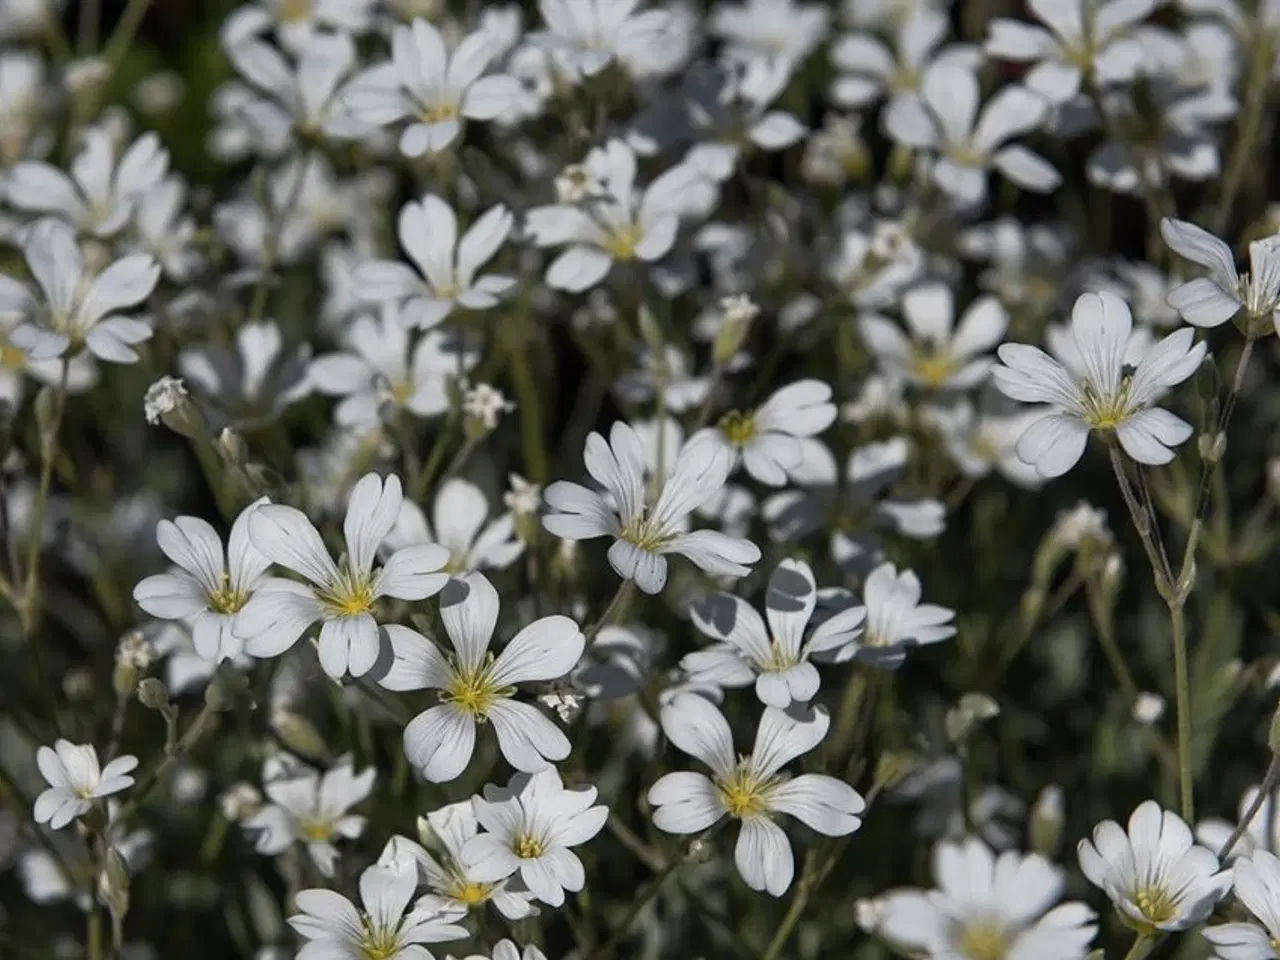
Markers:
point(430, 88)
point(1107, 398)
point(1156, 875)
point(610, 221)
point(446, 266)
point(644, 532)
point(79, 307)
point(1256, 880)
point(751, 789)
point(76, 782)
point(775, 655)
point(1215, 299)
point(778, 440)
point(476, 687)
point(385, 929)
point(100, 195)
point(987, 908)
point(529, 829)
point(937, 355)
point(309, 808)
point(458, 524)
point(443, 872)
point(211, 586)
point(944, 117)
point(342, 595)
point(896, 619)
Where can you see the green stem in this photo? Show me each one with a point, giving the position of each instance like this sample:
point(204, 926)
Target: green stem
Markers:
point(1264, 792)
point(1142, 945)
point(808, 883)
point(1182, 683)
point(654, 888)
point(126, 29)
point(614, 607)
point(532, 436)
point(48, 454)
point(271, 243)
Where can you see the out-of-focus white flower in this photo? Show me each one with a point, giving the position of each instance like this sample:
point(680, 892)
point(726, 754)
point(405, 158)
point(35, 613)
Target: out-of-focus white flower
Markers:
point(1256, 879)
point(446, 266)
point(529, 830)
point(483, 405)
point(1262, 832)
point(644, 533)
point(101, 194)
point(944, 117)
point(1148, 708)
point(458, 524)
point(896, 620)
point(751, 789)
point(253, 381)
point(1155, 874)
point(987, 906)
point(1106, 399)
point(341, 597)
point(1215, 299)
point(584, 37)
point(430, 88)
point(476, 687)
point(309, 808)
point(76, 782)
point(770, 29)
point(295, 22)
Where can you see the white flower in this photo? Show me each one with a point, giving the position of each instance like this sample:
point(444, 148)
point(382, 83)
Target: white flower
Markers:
point(295, 22)
point(1256, 880)
point(252, 381)
point(645, 532)
point(335, 930)
point(615, 223)
point(896, 619)
point(1001, 908)
point(310, 809)
point(76, 782)
point(380, 374)
point(165, 231)
point(778, 29)
point(944, 117)
point(340, 595)
point(211, 586)
point(585, 36)
point(1215, 299)
point(524, 498)
point(476, 687)
point(452, 887)
point(446, 266)
point(458, 517)
point(100, 195)
point(431, 88)
point(1080, 39)
point(937, 355)
point(483, 405)
point(530, 828)
point(987, 438)
point(1262, 833)
point(1155, 874)
point(778, 441)
point(23, 94)
point(751, 789)
point(79, 308)
point(1106, 398)
point(774, 656)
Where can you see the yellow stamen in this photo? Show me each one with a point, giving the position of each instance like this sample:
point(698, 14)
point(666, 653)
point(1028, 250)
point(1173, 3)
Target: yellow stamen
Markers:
point(744, 793)
point(739, 428)
point(226, 599)
point(933, 369)
point(529, 847)
point(983, 941)
point(620, 242)
point(472, 894)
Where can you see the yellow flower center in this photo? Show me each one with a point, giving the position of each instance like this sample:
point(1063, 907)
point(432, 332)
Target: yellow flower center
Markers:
point(314, 830)
point(293, 11)
point(379, 943)
point(640, 533)
point(779, 658)
point(439, 113)
point(739, 428)
point(983, 941)
point(1102, 412)
point(11, 358)
point(529, 847)
point(967, 155)
point(933, 369)
point(401, 391)
point(473, 690)
point(472, 894)
point(1156, 904)
point(620, 242)
point(226, 599)
point(745, 793)
point(353, 594)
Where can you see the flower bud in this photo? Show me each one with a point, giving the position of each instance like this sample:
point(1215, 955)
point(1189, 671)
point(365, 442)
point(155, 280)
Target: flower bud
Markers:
point(298, 734)
point(113, 886)
point(153, 694)
point(892, 768)
point(232, 448)
point(168, 402)
point(738, 313)
point(1047, 819)
point(239, 802)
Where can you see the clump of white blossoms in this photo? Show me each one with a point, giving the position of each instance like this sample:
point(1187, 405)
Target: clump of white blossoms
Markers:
point(76, 781)
point(646, 529)
point(1256, 882)
point(343, 596)
point(1215, 299)
point(775, 656)
point(80, 307)
point(603, 219)
point(944, 118)
point(430, 90)
point(751, 789)
point(987, 907)
point(445, 277)
point(935, 353)
point(385, 928)
point(530, 829)
point(1157, 877)
point(1108, 399)
point(476, 687)
point(585, 36)
point(210, 587)
point(778, 440)
point(442, 870)
point(309, 808)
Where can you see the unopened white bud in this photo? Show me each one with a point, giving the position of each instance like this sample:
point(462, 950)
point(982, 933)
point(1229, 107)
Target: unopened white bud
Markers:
point(1148, 708)
point(239, 801)
point(483, 405)
point(577, 184)
point(867, 914)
